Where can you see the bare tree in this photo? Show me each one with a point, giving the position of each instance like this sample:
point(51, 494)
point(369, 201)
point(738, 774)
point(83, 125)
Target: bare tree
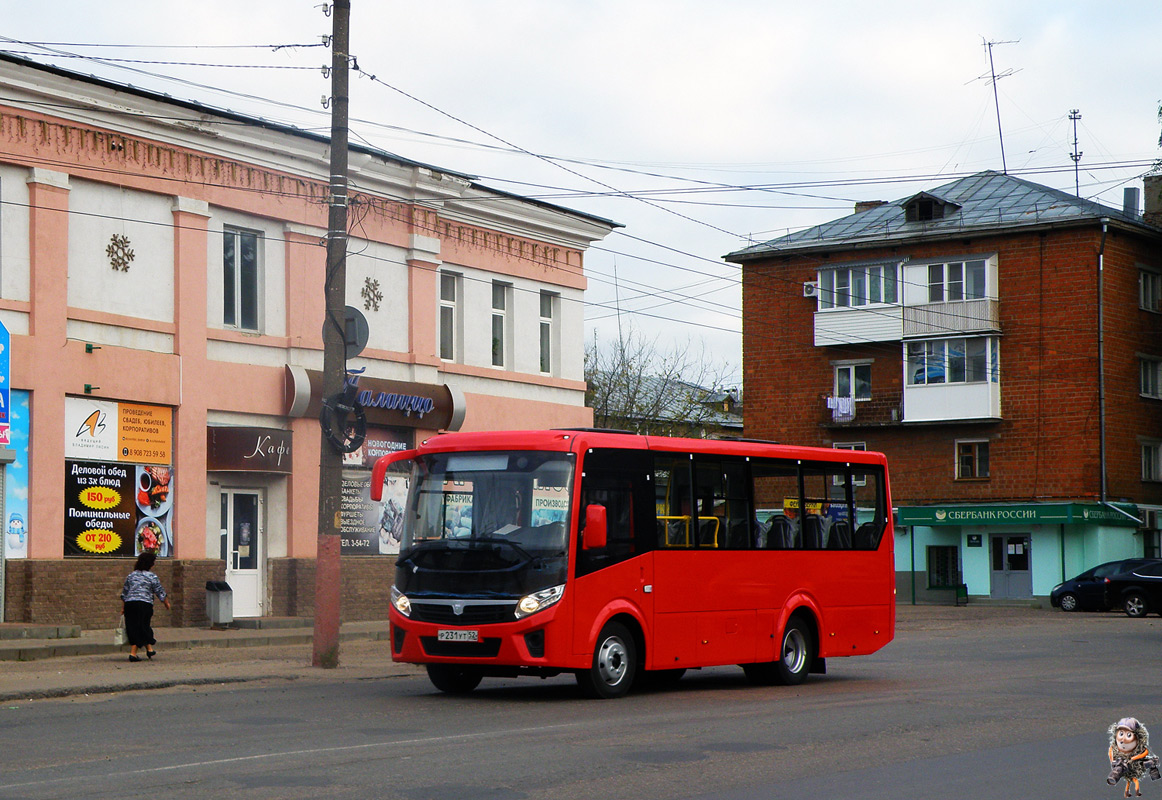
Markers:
point(634, 385)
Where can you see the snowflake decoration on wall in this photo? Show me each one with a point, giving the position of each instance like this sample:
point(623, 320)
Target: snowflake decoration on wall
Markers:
point(119, 252)
point(371, 295)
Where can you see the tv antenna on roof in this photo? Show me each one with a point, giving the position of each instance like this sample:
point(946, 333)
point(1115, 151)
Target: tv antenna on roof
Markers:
point(993, 78)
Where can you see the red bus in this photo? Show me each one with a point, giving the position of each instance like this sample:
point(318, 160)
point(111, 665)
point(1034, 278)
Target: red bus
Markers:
point(625, 559)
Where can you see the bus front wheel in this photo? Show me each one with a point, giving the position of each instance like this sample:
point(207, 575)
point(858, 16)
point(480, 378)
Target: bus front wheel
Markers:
point(453, 678)
point(614, 664)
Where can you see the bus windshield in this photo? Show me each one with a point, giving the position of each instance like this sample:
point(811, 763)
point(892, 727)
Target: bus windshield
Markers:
point(488, 512)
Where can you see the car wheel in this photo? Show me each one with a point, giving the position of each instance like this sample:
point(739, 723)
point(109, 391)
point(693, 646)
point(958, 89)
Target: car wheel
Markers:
point(614, 664)
point(1068, 602)
point(453, 678)
point(1135, 604)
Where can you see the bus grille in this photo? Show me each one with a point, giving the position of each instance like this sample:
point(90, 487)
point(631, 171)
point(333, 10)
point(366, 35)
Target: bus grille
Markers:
point(487, 648)
point(473, 615)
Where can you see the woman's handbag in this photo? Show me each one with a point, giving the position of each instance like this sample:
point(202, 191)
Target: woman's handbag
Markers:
point(119, 637)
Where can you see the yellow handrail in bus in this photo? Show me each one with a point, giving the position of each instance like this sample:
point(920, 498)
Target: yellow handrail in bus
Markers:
point(683, 538)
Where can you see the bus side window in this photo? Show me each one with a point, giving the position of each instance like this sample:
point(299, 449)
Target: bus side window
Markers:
point(775, 489)
point(615, 479)
point(672, 501)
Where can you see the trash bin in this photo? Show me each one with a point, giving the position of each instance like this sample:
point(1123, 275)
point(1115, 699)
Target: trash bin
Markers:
point(219, 603)
point(962, 594)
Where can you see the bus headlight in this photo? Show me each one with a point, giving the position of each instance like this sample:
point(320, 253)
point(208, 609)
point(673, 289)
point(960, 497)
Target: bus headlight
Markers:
point(400, 601)
point(538, 601)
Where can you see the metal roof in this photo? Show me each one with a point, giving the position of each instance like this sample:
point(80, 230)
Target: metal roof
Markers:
point(988, 201)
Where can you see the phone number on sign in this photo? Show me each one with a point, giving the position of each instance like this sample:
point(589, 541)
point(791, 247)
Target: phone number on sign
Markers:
point(143, 453)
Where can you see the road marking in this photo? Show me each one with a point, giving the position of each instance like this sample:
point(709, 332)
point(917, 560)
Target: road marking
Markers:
point(120, 776)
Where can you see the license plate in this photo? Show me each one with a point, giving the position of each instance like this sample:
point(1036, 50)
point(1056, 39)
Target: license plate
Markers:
point(458, 636)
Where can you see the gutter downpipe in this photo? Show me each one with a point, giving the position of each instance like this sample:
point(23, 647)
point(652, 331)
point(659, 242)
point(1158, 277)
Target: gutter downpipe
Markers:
point(1101, 373)
point(1101, 376)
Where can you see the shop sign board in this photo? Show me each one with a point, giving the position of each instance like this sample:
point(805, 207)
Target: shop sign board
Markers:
point(103, 430)
point(1019, 514)
point(247, 449)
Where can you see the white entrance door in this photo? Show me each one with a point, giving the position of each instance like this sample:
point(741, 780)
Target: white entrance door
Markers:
point(242, 545)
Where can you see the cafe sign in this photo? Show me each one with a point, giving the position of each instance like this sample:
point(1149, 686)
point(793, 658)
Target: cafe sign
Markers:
point(400, 404)
point(247, 449)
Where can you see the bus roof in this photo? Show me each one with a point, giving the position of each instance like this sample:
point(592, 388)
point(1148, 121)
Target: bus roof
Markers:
point(578, 439)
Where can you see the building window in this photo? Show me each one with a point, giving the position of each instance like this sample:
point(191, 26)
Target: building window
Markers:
point(1151, 382)
point(548, 301)
point(956, 280)
point(1151, 454)
point(1150, 290)
point(857, 286)
point(953, 361)
point(240, 269)
point(500, 294)
point(943, 572)
point(972, 460)
point(858, 478)
point(449, 314)
point(854, 381)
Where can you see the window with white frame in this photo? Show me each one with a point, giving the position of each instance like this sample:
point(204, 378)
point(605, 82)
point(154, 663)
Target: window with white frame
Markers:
point(549, 302)
point(449, 315)
point(959, 360)
point(1149, 290)
point(240, 278)
point(1151, 381)
point(853, 380)
point(957, 280)
point(500, 304)
point(857, 478)
point(850, 287)
point(1151, 461)
point(972, 459)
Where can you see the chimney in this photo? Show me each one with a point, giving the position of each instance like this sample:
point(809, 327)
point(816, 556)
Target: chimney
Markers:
point(1130, 201)
point(867, 205)
point(1153, 193)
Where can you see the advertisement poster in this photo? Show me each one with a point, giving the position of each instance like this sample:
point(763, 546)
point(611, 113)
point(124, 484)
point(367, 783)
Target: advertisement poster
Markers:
point(549, 505)
point(367, 527)
point(117, 509)
point(16, 478)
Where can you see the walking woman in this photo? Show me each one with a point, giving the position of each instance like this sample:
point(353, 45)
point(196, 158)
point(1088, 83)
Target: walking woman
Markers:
point(140, 587)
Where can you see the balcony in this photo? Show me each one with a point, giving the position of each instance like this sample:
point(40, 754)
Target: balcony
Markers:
point(952, 318)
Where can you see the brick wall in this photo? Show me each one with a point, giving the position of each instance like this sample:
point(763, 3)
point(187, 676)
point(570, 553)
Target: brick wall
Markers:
point(1046, 445)
point(364, 595)
point(87, 592)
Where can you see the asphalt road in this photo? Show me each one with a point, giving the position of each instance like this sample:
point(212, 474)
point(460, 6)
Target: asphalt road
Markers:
point(964, 704)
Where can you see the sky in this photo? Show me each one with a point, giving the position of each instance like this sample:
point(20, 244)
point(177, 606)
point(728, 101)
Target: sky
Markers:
point(701, 126)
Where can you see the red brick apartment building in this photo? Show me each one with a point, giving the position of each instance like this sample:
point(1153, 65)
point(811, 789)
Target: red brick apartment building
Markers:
point(1001, 342)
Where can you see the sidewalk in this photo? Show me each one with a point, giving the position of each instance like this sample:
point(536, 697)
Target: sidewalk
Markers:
point(63, 663)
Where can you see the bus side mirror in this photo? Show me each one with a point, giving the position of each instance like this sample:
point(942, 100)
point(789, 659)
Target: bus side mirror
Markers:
point(379, 470)
point(595, 527)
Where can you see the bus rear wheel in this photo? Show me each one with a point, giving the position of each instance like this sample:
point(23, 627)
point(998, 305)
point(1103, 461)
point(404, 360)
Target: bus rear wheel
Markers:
point(793, 663)
point(614, 664)
point(453, 678)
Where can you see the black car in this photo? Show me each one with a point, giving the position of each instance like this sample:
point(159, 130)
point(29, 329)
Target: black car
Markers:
point(1138, 591)
point(1088, 590)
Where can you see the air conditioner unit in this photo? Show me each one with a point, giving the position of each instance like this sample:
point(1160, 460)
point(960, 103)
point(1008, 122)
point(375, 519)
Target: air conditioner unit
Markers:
point(811, 289)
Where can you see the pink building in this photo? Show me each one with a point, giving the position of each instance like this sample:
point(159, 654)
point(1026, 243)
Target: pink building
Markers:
point(161, 272)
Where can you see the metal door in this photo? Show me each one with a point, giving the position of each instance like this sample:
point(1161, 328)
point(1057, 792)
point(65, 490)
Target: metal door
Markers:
point(242, 549)
point(1012, 575)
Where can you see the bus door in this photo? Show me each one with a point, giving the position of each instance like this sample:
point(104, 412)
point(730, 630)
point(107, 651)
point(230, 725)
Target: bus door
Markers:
point(621, 572)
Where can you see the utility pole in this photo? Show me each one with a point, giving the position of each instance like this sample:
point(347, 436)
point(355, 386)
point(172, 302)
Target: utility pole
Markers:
point(326, 635)
point(1075, 115)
